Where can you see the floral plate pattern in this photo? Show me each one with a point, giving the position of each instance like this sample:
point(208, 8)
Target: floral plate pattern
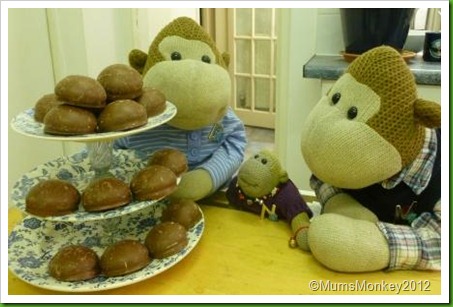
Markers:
point(33, 243)
point(25, 124)
point(76, 170)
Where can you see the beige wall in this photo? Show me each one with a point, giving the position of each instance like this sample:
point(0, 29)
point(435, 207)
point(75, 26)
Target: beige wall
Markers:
point(30, 76)
point(296, 96)
point(151, 21)
point(329, 35)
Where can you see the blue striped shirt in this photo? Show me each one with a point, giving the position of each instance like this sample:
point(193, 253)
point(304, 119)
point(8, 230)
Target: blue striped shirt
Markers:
point(220, 155)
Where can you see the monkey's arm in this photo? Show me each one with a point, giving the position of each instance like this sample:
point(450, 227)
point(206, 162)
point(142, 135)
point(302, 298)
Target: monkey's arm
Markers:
point(226, 160)
point(219, 168)
point(334, 200)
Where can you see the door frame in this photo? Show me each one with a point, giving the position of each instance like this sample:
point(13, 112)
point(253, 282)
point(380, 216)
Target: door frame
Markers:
point(219, 23)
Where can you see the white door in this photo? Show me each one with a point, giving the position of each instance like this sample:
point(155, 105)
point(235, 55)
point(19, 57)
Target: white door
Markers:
point(249, 35)
point(252, 44)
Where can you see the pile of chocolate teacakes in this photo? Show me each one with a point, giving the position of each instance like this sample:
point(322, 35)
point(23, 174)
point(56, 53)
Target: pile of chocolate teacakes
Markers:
point(115, 101)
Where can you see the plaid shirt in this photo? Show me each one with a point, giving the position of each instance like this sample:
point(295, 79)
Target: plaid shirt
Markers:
point(418, 246)
point(418, 173)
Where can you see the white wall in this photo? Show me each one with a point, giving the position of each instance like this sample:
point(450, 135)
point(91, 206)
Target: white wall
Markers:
point(151, 21)
point(303, 33)
point(329, 35)
point(30, 76)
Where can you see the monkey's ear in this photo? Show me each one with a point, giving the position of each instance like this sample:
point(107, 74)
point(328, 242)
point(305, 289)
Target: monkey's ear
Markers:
point(283, 176)
point(226, 58)
point(137, 59)
point(427, 113)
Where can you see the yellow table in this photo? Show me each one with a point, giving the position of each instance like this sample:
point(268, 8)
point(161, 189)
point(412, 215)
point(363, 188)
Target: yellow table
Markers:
point(241, 254)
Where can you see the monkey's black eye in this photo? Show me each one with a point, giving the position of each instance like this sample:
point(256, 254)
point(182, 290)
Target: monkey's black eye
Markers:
point(256, 156)
point(335, 98)
point(263, 160)
point(176, 56)
point(352, 112)
point(206, 59)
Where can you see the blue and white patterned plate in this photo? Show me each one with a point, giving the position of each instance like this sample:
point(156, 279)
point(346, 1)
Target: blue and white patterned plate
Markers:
point(25, 124)
point(76, 170)
point(33, 243)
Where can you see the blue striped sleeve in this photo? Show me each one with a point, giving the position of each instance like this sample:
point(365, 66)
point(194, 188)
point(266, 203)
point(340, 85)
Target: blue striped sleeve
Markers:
point(221, 158)
point(226, 160)
point(163, 136)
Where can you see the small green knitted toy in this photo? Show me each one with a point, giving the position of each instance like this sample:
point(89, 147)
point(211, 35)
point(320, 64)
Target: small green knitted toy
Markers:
point(262, 186)
point(373, 147)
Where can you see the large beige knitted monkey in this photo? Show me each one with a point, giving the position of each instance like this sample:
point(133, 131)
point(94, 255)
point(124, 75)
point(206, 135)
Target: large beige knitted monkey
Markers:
point(374, 149)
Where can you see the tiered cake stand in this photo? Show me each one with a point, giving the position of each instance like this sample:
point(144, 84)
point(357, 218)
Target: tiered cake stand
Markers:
point(36, 240)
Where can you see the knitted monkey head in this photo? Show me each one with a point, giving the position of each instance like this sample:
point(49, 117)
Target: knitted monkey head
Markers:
point(370, 124)
point(260, 174)
point(184, 64)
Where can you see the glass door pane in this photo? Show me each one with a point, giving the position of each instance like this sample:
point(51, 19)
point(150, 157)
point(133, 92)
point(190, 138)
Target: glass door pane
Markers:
point(253, 45)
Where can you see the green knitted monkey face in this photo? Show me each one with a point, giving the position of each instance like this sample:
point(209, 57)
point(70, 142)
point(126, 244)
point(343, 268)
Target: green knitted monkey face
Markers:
point(260, 174)
point(189, 71)
point(337, 143)
point(370, 124)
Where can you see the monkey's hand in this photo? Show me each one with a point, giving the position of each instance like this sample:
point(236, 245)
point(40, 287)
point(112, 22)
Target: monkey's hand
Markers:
point(195, 185)
point(300, 224)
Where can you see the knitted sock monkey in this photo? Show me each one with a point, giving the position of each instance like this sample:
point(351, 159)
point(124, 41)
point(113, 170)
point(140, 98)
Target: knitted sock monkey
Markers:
point(184, 63)
point(262, 186)
point(374, 149)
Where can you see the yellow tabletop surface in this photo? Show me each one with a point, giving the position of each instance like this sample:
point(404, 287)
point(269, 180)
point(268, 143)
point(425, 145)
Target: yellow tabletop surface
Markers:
point(239, 253)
